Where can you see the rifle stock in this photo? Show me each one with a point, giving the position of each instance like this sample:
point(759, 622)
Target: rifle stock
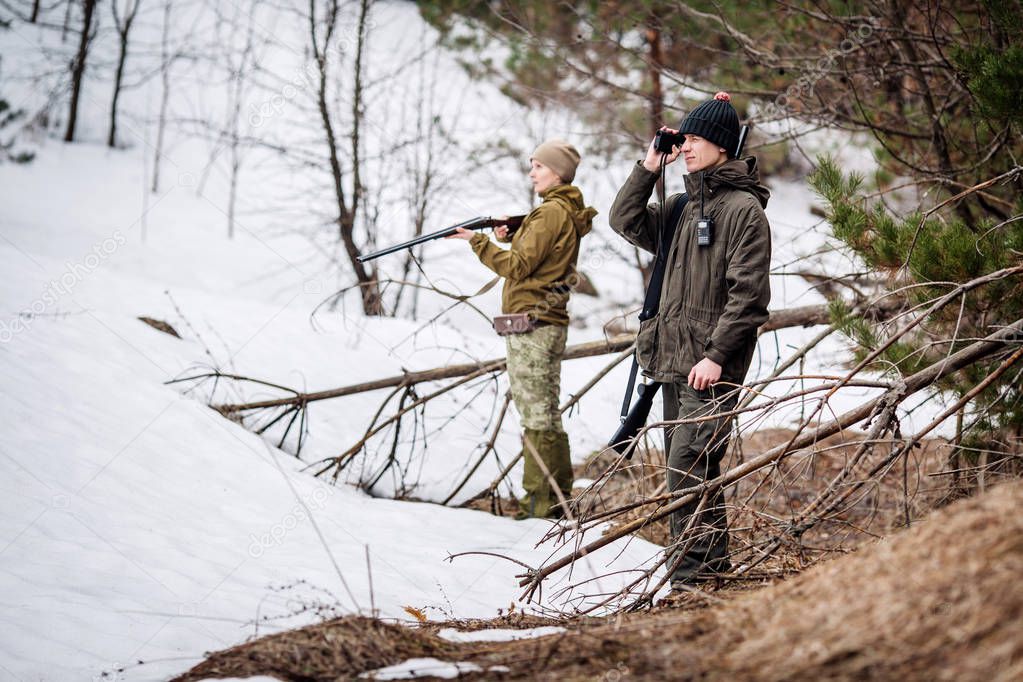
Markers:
point(635, 420)
point(742, 141)
point(482, 223)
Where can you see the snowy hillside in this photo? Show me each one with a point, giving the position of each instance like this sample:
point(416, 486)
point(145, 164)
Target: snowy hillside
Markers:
point(136, 523)
point(139, 524)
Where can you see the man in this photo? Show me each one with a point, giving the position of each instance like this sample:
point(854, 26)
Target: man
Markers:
point(713, 298)
point(539, 271)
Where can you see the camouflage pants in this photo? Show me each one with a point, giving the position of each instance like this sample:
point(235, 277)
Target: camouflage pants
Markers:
point(534, 370)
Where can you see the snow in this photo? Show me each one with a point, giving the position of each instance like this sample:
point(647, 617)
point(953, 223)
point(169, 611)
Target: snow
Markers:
point(139, 524)
point(136, 523)
point(421, 667)
point(498, 634)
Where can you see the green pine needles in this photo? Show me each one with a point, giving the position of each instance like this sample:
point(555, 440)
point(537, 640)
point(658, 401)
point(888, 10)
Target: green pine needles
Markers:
point(921, 258)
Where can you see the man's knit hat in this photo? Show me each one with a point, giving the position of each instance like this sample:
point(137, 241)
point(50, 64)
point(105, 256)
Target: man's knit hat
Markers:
point(715, 121)
point(559, 156)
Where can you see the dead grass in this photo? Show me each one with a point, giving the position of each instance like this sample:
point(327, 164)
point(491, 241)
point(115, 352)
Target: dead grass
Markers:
point(499, 506)
point(336, 649)
point(939, 600)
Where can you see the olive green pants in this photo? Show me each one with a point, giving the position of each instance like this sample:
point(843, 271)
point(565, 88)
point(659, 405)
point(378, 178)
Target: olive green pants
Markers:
point(534, 371)
point(695, 452)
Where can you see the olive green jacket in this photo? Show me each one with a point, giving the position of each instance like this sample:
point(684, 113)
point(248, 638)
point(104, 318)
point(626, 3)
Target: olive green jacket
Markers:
point(539, 268)
point(713, 298)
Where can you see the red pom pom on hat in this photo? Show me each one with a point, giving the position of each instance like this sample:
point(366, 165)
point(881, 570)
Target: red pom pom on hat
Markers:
point(723, 96)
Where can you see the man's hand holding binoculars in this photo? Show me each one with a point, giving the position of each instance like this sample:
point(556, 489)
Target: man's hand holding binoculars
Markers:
point(652, 162)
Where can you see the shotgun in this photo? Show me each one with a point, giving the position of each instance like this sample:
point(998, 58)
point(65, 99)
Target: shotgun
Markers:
point(513, 223)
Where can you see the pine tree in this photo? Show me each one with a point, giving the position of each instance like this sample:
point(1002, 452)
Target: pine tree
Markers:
point(613, 63)
point(975, 232)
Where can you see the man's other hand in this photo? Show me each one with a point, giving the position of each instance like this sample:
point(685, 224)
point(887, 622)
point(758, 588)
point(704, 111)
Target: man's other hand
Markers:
point(704, 374)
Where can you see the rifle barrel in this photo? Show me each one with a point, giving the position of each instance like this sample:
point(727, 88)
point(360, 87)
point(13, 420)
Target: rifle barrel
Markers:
point(742, 141)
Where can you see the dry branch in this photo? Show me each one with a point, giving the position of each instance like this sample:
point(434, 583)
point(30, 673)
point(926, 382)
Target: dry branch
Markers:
point(486, 450)
point(804, 521)
point(812, 315)
point(912, 384)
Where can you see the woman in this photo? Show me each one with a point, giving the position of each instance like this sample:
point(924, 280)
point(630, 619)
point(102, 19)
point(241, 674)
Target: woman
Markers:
point(539, 272)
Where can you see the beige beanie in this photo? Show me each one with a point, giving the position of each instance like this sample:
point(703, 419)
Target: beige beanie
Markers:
point(559, 156)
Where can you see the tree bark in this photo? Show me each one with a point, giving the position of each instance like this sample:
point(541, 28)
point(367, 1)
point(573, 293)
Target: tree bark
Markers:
point(78, 69)
point(112, 136)
point(234, 125)
point(346, 220)
point(165, 66)
point(68, 4)
point(122, 32)
point(653, 39)
point(655, 101)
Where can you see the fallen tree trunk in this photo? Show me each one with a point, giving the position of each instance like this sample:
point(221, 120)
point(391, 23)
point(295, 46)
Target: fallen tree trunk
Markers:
point(804, 316)
point(912, 384)
point(811, 315)
point(583, 350)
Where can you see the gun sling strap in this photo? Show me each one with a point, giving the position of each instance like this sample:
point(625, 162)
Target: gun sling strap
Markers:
point(652, 299)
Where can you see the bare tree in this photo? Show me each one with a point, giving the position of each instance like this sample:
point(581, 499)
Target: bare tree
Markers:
point(166, 61)
point(78, 67)
point(123, 26)
point(238, 63)
point(349, 200)
point(67, 20)
point(654, 68)
point(423, 172)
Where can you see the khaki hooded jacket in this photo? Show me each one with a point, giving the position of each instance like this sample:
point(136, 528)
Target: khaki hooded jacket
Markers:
point(713, 298)
point(539, 268)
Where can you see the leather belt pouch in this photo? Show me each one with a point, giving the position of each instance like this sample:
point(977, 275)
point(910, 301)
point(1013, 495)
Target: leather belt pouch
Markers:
point(516, 323)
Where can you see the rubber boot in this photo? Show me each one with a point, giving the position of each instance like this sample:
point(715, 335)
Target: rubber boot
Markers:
point(540, 499)
point(561, 462)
